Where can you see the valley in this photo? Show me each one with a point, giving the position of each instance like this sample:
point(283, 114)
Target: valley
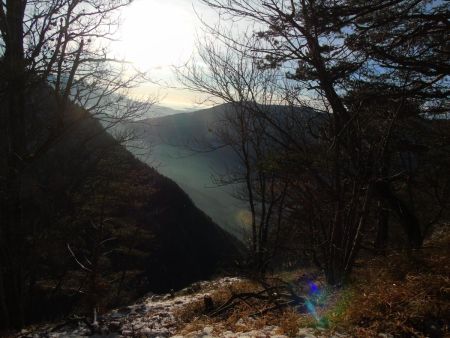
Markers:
point(177, 146)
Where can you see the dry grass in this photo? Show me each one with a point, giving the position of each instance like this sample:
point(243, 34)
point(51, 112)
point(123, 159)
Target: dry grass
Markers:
point(405, 295)
point(238, 319)
point(219, 296)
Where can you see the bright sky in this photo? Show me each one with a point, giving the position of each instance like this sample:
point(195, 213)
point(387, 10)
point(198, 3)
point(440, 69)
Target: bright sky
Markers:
point(156, 34)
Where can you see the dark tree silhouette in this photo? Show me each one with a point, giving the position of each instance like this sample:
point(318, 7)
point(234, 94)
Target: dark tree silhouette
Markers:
point(344, 56)
point(56, 44)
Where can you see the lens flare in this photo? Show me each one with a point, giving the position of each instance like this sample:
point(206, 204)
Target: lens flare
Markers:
point(313, 288)
point(312, 309)
point(315, 298)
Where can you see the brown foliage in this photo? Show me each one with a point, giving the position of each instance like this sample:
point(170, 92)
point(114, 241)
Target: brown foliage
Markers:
point(405, 295)
point(193, 316)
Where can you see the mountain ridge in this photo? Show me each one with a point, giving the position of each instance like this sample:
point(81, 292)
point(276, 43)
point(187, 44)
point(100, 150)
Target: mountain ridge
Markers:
point(181, 142)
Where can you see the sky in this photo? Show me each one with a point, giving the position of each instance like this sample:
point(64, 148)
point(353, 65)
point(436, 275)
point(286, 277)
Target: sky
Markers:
point(156, 35)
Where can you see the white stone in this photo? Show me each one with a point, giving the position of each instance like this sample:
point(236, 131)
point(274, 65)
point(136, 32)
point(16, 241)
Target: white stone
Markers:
point(228, 334)
point(146, 330)
point(240, 322)
point(305, 333)
point(208, 330)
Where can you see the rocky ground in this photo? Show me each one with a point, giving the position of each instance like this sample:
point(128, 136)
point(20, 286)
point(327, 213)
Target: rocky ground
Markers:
point(405, 295)
point(156, 316)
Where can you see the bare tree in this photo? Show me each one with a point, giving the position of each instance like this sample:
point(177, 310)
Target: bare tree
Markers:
point(57, 46)
point(339, 169)
point(256, 126)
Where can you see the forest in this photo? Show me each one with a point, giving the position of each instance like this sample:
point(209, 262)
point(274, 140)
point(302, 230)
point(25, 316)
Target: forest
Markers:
point(331, 119)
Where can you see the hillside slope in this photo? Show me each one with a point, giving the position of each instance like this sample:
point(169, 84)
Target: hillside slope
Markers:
point(106, 227)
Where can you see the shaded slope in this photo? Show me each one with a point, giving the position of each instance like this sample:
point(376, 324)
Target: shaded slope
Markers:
point(89, 194)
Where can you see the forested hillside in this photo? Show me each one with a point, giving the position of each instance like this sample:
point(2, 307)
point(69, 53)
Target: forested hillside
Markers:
point(106, 227)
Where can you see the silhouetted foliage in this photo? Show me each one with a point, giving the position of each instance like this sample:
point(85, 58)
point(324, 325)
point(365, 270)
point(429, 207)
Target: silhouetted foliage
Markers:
point(377, 74)
point(79, 214)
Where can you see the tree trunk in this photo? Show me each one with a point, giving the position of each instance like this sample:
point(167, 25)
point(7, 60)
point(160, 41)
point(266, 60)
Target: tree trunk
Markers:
point(406, 217)
point(382, 228)
point(13, 227)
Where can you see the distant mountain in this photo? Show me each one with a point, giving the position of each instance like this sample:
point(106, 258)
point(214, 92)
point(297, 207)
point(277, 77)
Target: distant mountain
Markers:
point(193, 129)
point(159, 111)
point(182, 127)
point(173, 141)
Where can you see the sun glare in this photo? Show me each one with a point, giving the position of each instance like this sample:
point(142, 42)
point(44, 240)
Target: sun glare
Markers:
point(156, 33)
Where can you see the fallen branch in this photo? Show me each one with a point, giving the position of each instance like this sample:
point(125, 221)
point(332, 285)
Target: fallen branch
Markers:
point(275, 307)
point(240, 296)
point(278, 296)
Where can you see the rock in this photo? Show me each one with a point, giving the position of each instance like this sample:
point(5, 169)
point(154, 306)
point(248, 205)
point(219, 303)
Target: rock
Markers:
point(85, 332)
point(257, 334)
point(123, 311)
point(208, 303)
point(240, 322)
point(306, 333)
point(141, 309)
point(208, 330)
point(228, 334)
point(146, 330)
